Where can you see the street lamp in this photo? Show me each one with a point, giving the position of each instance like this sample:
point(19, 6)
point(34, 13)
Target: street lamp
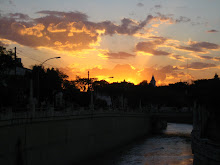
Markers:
point(38, 93)
point(49, 59)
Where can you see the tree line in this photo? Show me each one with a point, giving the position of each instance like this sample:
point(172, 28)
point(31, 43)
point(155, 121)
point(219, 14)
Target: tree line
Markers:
point(15, 90)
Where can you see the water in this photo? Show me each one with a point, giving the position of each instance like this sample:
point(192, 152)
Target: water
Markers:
point(172, 147)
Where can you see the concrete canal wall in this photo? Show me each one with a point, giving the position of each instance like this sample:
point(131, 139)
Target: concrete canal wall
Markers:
point(65, 140)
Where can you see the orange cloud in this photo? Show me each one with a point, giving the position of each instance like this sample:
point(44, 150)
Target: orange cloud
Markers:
point(34, 30)
point(60, 27)
point(70, 30)
point(179, 57)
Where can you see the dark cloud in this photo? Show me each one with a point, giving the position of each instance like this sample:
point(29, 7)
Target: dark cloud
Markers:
point(19, 16)
point(158, 6)
point(216, 58)
point(183, 19)
point(206, 57)
point(11, 2)
point(199, 66)
point(164, 17)
point(179, 57)
point(57, 17)
point(160, 39)
point(209, 58)
point(199, 46)
point(212, 31)
point(127, 26)
point(119, 55)
point(151, 47)
point(169, 17)
point(140, 4)
point(205, 45)
point(168, 69)
point(190, 48)
point(132, 13)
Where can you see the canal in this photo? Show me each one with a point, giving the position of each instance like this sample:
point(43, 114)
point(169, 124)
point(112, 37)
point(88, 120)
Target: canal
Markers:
point(171, 147)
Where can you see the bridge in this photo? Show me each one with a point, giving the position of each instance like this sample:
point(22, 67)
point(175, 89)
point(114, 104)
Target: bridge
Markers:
point(174, 117)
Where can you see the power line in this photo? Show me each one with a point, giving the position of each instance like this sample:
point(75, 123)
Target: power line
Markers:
point(26, 55)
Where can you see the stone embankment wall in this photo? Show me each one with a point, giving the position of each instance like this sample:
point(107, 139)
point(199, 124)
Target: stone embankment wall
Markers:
point(66, 139)
point(205, 135)
point(205, 152)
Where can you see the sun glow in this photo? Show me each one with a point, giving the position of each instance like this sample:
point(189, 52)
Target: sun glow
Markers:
point(140, 53)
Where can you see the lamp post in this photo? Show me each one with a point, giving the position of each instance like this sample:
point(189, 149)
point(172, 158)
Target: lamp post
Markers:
point(48, 60)
point(38, 79)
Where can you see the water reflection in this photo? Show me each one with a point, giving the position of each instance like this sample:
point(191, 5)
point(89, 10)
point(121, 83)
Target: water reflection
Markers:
point(173, 147)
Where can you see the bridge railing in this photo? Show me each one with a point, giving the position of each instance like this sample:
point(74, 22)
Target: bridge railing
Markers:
point(51, 112)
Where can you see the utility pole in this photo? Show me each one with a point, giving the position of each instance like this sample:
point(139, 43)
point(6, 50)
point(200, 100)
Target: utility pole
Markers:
point(88, 77)
point(15, 54)
point(16, 91)
point(91, 95)
point(15, 61)
point(187, 72)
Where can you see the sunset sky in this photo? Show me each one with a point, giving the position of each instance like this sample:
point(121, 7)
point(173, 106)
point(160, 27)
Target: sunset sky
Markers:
point(174, 40)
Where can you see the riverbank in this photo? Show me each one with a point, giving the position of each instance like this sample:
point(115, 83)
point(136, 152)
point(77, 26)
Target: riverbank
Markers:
point(64, 140)
point(173, 147)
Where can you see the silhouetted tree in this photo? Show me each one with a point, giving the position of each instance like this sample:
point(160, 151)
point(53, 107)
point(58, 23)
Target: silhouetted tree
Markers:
point(13, 89)
point(143, 83)
point(47, 82)
point(6, 60)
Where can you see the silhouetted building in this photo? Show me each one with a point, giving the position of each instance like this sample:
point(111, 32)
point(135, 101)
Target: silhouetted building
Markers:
point(59, 99)
point(216, 76)
point(153, 81)
point(19, 70)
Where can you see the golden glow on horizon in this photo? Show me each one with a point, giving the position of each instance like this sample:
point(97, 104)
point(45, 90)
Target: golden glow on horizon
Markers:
point(132, 67)
point(130, 80)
